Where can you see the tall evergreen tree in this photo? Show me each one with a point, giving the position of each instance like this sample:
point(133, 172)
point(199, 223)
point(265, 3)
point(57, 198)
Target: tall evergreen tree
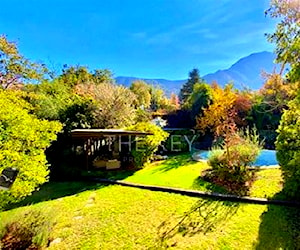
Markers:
point(187, 88)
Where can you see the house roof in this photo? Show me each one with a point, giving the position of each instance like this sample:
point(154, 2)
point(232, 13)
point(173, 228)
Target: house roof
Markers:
point(88, 133)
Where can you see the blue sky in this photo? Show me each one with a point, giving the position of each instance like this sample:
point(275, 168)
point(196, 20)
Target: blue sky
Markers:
point(142, 38)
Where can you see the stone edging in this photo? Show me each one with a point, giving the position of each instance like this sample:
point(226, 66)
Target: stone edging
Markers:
point(196, 193)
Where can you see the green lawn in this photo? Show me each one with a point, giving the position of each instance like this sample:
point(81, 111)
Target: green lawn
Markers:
point(182, 172)
point(90, 216)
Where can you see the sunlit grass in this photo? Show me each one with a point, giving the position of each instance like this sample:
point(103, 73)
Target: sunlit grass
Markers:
point(182, 172)
point(177, 171)
point(115, 217)
point(90, 216)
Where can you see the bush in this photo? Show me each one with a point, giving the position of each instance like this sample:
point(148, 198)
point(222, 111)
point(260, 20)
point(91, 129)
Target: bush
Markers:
point(288, 148)
point(229, 162)
point(179, 138)
point(28, 230)
point(23, 140)
point(150, 143)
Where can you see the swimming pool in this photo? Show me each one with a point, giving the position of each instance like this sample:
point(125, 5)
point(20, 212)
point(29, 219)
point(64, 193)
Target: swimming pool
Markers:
point(265, 158)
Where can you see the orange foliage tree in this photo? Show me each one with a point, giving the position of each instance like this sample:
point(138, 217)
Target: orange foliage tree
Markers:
point(219, 116)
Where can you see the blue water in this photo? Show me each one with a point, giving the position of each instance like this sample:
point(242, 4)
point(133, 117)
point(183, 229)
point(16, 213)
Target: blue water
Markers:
point(266, 158)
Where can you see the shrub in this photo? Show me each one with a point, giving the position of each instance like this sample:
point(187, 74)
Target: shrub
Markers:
point(28, 230)
point(182, 145)
point(230, 160)
point(23, 140)
point(150, 143)
point(288, 148)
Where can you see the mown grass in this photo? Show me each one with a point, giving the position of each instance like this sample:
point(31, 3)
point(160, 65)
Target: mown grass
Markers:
point(115, 217)
point(182, 172)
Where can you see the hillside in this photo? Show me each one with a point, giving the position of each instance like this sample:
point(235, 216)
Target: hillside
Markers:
point(246, 72)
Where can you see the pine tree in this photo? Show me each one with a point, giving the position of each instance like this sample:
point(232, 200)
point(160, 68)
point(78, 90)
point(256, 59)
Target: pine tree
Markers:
point(187, 88)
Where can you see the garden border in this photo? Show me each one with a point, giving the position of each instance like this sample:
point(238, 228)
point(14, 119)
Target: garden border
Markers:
point(197, 193)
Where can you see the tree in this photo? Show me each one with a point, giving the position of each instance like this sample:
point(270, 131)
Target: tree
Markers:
point(287, 34)
point(49, 99)
point(218, 117)
point(174, 101)
point(74, 75)
point(150, 143)
point(23, 140)
point(103, 76)
point(15, 69)
point(277, 92)
point(229, 162)
point(187, 88)
point(113, 104)
point(199, 99)
point(287, 40)
point(159, 101)
point(142, 92)
point(242, 106)
point(288, 148)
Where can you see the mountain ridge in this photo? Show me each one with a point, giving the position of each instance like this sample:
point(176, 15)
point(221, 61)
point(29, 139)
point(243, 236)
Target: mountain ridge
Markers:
point(244, 73)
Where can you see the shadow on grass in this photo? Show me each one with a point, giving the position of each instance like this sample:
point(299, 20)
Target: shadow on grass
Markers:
point(201, 184)
point(108, 174)
point(58, 189)
point(203, 217)
point(55, 190)
point(174, 161)
point(279, 228)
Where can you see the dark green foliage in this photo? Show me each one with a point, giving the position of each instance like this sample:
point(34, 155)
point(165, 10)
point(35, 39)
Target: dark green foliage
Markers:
point(187, 88)
point(180, 119)
point(77, 115)
point(199, 99)
point(147, 145)
point(178, 136)
point(30, 230)
point(268, 137)
point(50, 98)
point(288, 148)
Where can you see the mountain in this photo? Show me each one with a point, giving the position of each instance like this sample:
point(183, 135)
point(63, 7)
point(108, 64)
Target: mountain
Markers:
point(169, 86)
point(246, 72)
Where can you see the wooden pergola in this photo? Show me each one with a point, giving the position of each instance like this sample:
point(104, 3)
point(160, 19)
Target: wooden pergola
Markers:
point(97, 144)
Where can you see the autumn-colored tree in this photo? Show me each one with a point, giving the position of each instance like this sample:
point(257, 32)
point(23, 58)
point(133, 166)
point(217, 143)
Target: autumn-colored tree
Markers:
point(219, 116)
point(277, 91)
point(174, 101)
point(270, 101)
point(113, 104)
point(15, 70)
point(242, 106)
